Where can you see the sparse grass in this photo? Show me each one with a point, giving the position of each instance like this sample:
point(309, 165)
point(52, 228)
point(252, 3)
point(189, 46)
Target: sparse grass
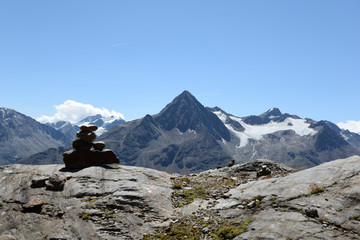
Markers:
point(85, 216)
point(115, 166)
point(177, 185)
point(230, 182)
point(230, 231)
point(316, 189)
point(89, 206)
point(193, 193)
point(192, 229)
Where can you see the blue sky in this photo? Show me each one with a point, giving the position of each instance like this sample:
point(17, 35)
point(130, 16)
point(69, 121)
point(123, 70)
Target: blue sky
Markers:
point(134, 57)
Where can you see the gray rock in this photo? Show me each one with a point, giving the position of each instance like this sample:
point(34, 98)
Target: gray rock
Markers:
point(38, 182)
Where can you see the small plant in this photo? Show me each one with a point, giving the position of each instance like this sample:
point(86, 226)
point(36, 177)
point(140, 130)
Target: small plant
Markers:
point(115, 166)
point(230, 182)
point(177, 186)
point(316, 189)
point(1, 205)
point(357, 218)
point(85, 216)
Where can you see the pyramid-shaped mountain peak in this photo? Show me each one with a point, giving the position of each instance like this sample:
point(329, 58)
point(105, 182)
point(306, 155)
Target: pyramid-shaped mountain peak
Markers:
point(185, 112)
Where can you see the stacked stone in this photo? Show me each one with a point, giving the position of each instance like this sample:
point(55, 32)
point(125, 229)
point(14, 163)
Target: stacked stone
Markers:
point(86, 138)
point(87, 152)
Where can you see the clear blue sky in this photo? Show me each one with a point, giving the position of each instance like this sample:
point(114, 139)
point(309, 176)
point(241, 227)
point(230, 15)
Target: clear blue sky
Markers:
point(134, 57)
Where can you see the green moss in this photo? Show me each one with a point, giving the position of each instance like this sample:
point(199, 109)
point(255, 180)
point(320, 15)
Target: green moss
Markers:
point(230, 231)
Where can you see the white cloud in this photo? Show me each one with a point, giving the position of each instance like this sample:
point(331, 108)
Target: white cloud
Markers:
point(353, 126)
point(74, 112)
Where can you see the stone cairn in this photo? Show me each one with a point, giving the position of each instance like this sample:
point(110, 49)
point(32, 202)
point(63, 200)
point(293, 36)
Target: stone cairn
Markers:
point(87, 152)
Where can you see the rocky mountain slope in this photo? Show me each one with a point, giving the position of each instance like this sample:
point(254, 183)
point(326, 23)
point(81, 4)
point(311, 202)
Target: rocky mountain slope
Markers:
point(184, 137)
point(22, 136)
point(256, 200)
point(286, 138)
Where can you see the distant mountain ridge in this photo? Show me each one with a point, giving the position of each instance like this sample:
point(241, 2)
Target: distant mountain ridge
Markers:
point(286, 138)
point(22, 136)
point(186, 137)
point(103, 123)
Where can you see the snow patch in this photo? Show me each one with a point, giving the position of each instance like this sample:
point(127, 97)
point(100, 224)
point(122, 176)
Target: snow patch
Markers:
point(256, 132)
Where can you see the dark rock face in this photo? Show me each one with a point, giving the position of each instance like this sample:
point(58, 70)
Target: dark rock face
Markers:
point(185, 113)
point(273, 114)
point(22, 136)
point(184, 137)
point(81, 159)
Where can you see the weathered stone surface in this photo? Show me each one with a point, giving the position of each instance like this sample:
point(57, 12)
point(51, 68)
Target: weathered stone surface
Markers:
point(81, 159)
point(7, 237)
point(89, 128)
point(88, 203)
point(86, 136)
point(81, 145)
point(123, 202)
point(98, 145)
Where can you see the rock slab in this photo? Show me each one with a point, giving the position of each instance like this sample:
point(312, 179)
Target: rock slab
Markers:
point(74, 159)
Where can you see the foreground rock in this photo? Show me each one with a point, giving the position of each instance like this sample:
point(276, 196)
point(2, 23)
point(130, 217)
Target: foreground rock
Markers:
point(139, 203)
point(81, 159)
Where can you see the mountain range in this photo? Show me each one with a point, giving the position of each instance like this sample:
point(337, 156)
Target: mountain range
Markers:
point(103, 123)
point(187, 137)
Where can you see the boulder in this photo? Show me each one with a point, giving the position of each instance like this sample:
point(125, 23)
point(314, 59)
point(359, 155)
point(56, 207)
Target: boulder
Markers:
point(79, 159)
point(98, 145)
point(38, 182)
point(265, 171)
point(86, 136)
point(81, 145)
point(89, 128)
point(56, 183)
point(34, 205)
